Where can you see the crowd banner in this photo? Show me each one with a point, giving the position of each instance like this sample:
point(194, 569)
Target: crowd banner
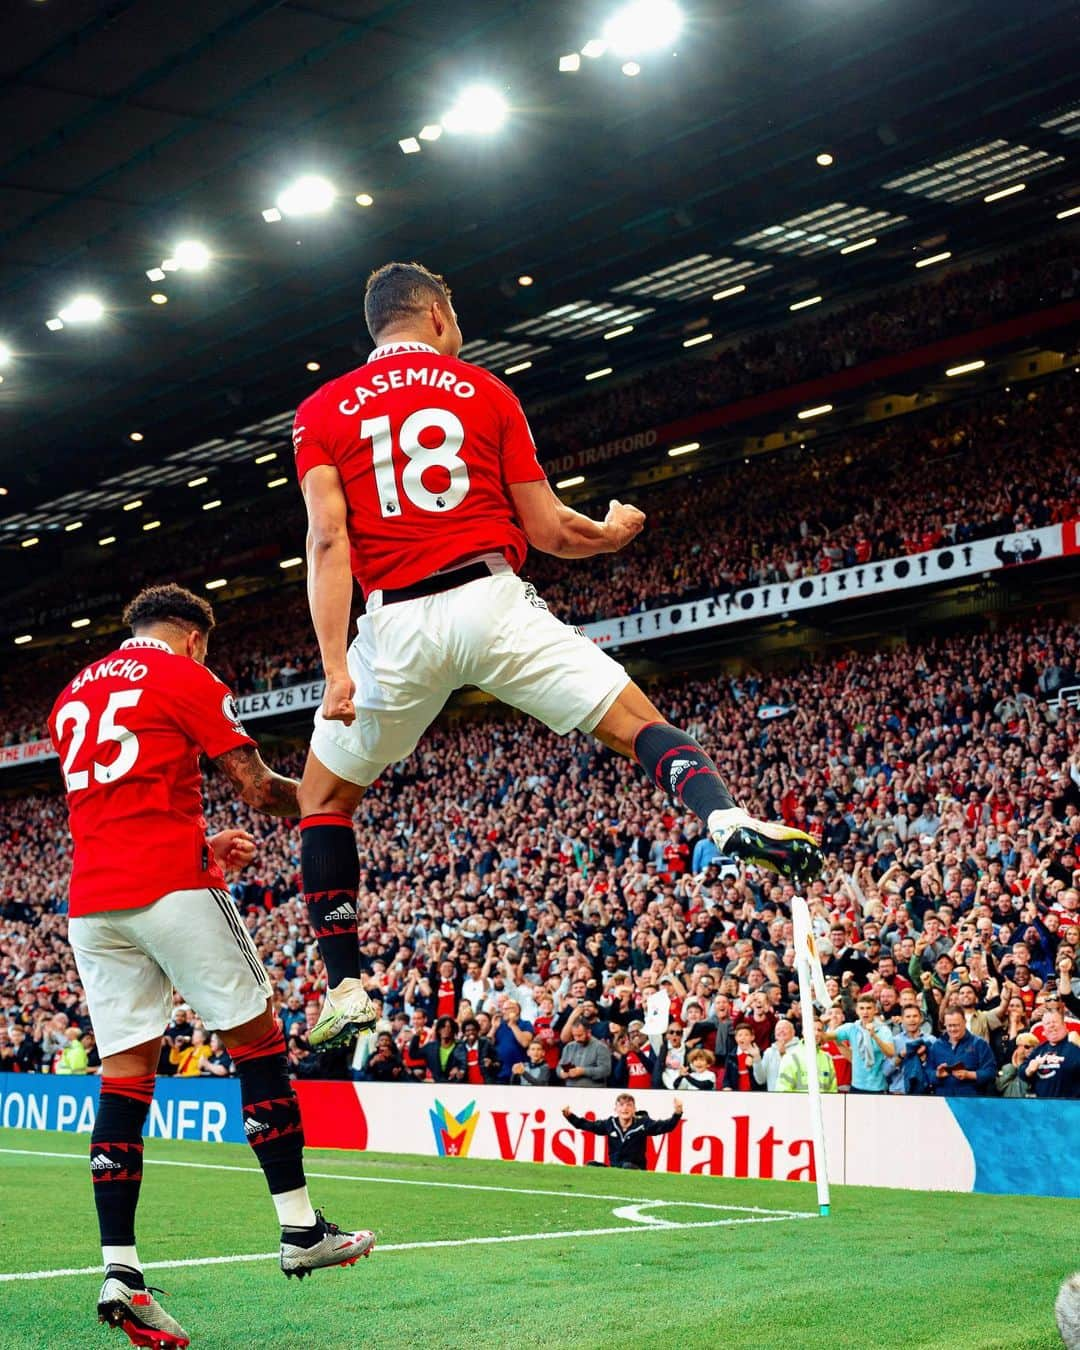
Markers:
point(270, 703)
point(757, 602)
point(917, 1143)
point(780, 599)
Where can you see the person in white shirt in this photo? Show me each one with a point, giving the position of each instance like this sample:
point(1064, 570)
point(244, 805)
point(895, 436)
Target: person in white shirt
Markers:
point(767, 1068)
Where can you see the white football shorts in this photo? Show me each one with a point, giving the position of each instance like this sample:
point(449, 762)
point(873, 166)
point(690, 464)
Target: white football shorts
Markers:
point(130, 960)
point(495, 633)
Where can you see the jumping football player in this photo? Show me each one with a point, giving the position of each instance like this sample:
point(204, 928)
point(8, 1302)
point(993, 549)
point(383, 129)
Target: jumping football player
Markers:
point(149, 912)
point(421, 480)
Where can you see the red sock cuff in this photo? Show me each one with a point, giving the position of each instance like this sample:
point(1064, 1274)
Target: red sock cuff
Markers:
point(140, 1089)
point(272, 1043)
point(309, 822)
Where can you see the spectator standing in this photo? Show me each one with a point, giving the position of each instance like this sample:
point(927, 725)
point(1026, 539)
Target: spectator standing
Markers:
point(585, 1062)
point(1053, 1068)
point(960, 1063)
point(871, 1046)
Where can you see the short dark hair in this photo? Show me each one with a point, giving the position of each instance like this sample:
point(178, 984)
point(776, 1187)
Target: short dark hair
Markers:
point(399, 291)
point(169, 604)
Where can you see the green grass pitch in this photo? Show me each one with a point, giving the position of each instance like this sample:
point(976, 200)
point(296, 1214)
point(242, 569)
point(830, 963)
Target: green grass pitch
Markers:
point(486, 1254)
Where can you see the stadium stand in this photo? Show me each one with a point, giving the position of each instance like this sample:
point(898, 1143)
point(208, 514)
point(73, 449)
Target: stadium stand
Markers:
point(943, 780)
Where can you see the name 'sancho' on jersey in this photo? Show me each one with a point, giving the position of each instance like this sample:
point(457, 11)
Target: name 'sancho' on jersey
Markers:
point(427, 448)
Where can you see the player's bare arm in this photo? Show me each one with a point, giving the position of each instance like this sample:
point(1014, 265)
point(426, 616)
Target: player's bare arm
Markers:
point(257, 784)
point(330, 585)
point(553, 527)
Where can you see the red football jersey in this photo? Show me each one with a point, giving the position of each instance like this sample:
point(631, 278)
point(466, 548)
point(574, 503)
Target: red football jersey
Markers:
point(129, 730)
point(426, 446)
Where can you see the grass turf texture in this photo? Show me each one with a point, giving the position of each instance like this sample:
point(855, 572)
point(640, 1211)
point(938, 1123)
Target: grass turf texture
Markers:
point(888, 1268)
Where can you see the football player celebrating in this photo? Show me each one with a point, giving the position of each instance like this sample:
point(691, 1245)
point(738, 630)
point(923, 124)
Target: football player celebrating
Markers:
point(421, 480)
point(148, 912)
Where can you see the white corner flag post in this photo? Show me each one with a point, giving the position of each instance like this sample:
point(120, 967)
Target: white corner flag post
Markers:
point(811, 986)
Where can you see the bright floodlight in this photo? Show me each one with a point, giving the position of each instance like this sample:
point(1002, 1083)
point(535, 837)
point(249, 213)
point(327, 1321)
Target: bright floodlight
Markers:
point(5, 354)
point(82, 309)
point(308, 196)
point(479, 109)
point(643, 26)
point(192, 255)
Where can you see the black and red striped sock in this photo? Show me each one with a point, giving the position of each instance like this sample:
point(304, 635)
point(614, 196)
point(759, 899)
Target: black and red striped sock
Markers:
point(330, 865)
point(272, 1123)
point(116, 1155)
point(680, 767)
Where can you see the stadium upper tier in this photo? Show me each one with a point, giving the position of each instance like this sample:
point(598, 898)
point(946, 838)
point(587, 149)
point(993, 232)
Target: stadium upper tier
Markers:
point(947, 475)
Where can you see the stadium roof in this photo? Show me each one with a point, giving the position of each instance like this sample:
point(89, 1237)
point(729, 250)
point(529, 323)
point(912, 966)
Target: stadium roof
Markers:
point(630, 200)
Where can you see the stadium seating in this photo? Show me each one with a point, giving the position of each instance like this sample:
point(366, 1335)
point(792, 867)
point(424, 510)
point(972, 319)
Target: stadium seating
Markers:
point(943, 779)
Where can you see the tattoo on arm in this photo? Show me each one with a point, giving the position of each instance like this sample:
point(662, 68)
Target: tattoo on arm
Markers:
point(257, 784)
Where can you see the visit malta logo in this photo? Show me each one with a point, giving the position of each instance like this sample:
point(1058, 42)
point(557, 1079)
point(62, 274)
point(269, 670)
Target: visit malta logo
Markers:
point(453, 1134)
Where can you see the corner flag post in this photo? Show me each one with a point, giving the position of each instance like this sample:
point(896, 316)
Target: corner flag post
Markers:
point(811, 986)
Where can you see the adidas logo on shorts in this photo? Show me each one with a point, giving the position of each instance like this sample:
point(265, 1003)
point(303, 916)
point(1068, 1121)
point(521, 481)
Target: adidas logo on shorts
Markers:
point(254, 1126)
point(339, 915)
point(99, 1163)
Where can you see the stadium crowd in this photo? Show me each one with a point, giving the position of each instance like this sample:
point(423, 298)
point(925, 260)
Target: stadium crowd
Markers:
point(541, 914)
point(1001, 464)
point(900, 320)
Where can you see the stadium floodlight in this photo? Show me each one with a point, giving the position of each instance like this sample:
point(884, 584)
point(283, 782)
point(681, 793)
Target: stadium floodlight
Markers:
point(198, 482)
point(310, 195)
point(277, 482)
point(593, 48)
point(132, 506)
point(5, 354)
point(109, 539)
point(805, 304)
point(192, 255)
point(155, 274)
point(290, 562)
point(212, 506)
point(518, 368)
point(170, 265)
point(643, 26)
point(159, 298)
point(1005, 192)
point(631, 68)
point(599, 374)
point(859, 244)
point(152, 525)
point(217, 584)
point(80, 623)
point(135, 436)
point(687, 449)
point(29, 543)
point(431, 132)
point(576, 481)
point(23, 639)
point(729, 291)
point(1070, 211)
point(479, 110)
point(54, 325)
point(82, 309)
point(525, 279)
point(312, 366)
point(271, 215)
point(819, 411)
point(934, 258)
point(618, 332)
point(965, 369)
point(824, 159)
point(410, 145)
point(364, 199)
point(72, 526)
point(265, 459)
point(570, 62)
point(697, 341)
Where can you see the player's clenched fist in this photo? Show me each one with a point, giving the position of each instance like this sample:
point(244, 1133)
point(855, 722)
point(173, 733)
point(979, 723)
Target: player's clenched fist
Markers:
point(337, 704)
point(623, 523)
point(233, 849)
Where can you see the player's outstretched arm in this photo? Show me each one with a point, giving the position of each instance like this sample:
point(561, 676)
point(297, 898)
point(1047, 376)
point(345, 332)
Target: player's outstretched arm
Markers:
point(257, 784)
point(552, 527)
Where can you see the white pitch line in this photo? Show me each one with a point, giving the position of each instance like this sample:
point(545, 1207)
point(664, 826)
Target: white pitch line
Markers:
point(442, 1185)
point(416, 1246)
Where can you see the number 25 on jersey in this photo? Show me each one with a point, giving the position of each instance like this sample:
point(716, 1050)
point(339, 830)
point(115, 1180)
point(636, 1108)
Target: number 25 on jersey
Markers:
point(77, 715)
point(418, 460)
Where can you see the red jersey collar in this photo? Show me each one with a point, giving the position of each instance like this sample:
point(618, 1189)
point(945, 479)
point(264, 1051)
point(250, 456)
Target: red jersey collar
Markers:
point(393, 348)
point(145, 642)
